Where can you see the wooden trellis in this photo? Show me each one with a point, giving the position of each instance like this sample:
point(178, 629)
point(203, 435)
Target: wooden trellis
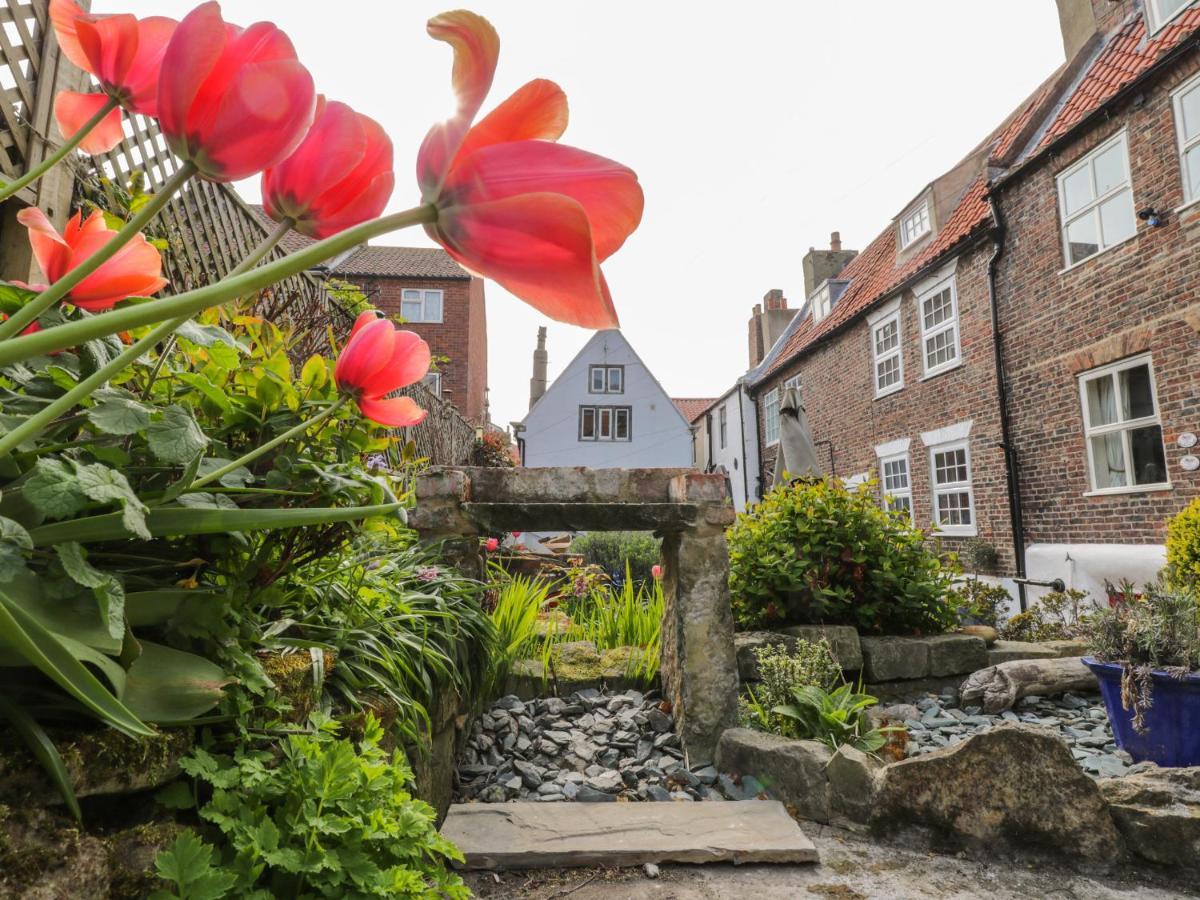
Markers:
point(445, 437)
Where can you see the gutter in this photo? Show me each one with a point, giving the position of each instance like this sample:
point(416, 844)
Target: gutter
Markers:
point(1011, 469)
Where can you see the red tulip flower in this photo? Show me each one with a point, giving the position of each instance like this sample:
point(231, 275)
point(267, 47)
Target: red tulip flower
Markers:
point(124, 53)
point(378, 359)
point(490, 545)
point(134, 271)
point(535, 216)
point(232, 101)
point(656, 571)
point(339, 176)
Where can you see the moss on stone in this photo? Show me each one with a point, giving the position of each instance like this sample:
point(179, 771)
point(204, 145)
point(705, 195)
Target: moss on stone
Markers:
point(131, 855)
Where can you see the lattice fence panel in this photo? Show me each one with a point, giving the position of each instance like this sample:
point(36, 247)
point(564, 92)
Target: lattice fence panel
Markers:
point(22, 27)
point(445, 437)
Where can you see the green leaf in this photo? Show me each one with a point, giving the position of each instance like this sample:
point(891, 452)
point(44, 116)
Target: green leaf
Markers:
point(175, 521)
point(188, 864)
point(185, 481)
point(147, 608)
point(107, 589)
point(239, 477)
point(14, 541)
point(315, 373)
point(205, 500)
point(210, 391)
point(54, 489)
point(12, 298)
point(168, 685)
point(176, 795)
point(206, 335)
point(174, 436)
point(43, 751)
point(119, 415)
point(106, 485)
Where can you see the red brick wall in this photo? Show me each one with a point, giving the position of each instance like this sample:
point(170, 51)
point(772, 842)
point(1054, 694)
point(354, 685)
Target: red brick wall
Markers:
point(1136, 297)
point(842, 408)
point(461, 336)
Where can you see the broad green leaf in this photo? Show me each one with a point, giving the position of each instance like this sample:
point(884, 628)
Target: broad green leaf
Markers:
point(168, 685)
point(176, 521)
point(14, 541)
point(174, 436)
point(239, 477)
point(188, 863)
point(206, 335)
point(109, 593)
point(176, 795)
point(106, 485)
point(70, 616)
point(44, 651)
point(210, 391)
point(205, 500)
point(315, 373)
point(119, 415)
point(224, 356)
point(54, 489)
point(148, 608)
point(43, 751)
point(185, 481)
point(12, 298)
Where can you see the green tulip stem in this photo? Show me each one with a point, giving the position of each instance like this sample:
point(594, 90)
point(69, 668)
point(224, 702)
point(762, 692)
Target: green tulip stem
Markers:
point(270, 445)
point(36, 423)
point(58, 155)
point(47, 298)
point(71, 334)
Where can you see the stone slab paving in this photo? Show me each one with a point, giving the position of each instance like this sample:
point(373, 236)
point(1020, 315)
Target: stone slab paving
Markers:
point(544, 835)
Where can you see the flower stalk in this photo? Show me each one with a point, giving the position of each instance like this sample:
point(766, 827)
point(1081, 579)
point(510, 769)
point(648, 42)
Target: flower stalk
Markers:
point(60, 154)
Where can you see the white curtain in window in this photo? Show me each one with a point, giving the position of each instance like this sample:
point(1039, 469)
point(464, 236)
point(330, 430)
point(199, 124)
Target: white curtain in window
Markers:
point(1114, 453)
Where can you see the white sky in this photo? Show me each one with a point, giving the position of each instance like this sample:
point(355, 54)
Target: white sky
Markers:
point(756, 128)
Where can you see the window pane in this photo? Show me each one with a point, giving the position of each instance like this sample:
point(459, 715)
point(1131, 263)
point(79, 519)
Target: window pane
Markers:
point(597, 379)
point(1110, 168)
point(886, 337)
point(950, 466)
point(1102, 401)
point(1149, 463)
point(614, 381)
point(605, 423)
point(954, 509)
point(411, 294)
point(411, 310)
point(902, 504)
point(1082, 238)
point(938, 309)
point(941, 348)
point(1116, 218)
point(433, 306)
point(895, 475)
point(1077, 189)
point(1167, 8)
point(587, 427)
point(1189, 106)
point(622, 424)
point(1137, 399)
point(1192, 165)
point(1108, 460)
point(888, 372)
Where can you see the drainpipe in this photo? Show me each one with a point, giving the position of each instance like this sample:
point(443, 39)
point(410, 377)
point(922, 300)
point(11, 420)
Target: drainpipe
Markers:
point(1012, 471)
point(742, 427)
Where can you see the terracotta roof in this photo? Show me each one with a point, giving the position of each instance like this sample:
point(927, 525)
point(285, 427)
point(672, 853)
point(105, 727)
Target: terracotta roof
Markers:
point(401, 262)
point(291, 241)
point(1124, 58)
point(692, 407)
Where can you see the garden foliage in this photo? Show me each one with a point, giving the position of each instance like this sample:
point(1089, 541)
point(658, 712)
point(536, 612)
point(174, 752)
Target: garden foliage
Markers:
point(618, 552)
point(833, 717)
point(1183, 544)
point(816, 552)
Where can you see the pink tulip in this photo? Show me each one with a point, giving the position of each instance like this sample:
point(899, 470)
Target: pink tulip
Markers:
point(490, 545)
point(124, 54)
point(134, 271)
point(379, 359)
point(232, 101)
point(514, 206)
point(339, 176)
point(656, 571)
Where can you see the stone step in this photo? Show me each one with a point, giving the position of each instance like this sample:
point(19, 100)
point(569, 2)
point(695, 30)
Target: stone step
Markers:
point(562, 835)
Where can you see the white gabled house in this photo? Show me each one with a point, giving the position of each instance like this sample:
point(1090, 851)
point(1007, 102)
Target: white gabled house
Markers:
point(606, 410)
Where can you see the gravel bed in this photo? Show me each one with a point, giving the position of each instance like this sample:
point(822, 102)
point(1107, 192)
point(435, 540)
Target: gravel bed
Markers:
point(592, 746)
point(936, 720)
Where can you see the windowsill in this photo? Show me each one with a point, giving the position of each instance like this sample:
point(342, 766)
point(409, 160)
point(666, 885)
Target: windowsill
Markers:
point(1187, 207)
point(1095, 256)
point(1132, 489)
point(957, 364)
point(955, 531)
point(915, 242)
point(887, 392)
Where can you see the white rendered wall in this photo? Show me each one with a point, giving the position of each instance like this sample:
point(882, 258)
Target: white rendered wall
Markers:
point(740, 455)
point(1086, 566)
point(659, 435)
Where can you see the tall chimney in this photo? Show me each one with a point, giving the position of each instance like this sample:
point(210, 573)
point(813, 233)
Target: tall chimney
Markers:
point(835, 241)
point(821, 265)
point(537, 384)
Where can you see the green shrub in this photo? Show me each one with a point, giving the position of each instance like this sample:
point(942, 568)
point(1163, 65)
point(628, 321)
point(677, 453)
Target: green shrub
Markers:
point(814, 552)
point(492, 450)
point(781, 672)
point(616, 551)
point(324, 819)
point(981, 601)
point(1183, 545)
point(1057, 616)
point(834, 718)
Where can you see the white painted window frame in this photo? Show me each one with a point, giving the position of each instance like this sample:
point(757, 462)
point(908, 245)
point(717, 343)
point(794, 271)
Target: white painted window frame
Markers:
point(953, 487)
point(723, 426)
point(606, 379)
point(1156, 21)
point(771, 406)
point(1191, 192)
point(1089, 432)
point(1093, 208)
point(821, 302)
point(424, 292)
point(918, 213)
point(953, 322)
point(886, 494)
point(600, 414)
point(433, 381)
point(896, 352)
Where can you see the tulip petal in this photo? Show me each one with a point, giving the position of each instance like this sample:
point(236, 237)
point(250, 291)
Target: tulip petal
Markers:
point(538, 247)
point(72, 111)
point(476, 50)
point(399, 412)
point(52, 253)
point(63, 15)
point(190, 57)
point(535, 112)
point(110, 43)
point(141, 82)
point(364, 354)
point(134, 271)
point(364, 319)
point(608, 191)
point(409, 363)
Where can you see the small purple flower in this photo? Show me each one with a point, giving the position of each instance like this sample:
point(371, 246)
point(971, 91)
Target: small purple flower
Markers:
point(428, 574)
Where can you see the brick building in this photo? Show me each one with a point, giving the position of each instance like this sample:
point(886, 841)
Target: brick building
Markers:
point(1016, 355)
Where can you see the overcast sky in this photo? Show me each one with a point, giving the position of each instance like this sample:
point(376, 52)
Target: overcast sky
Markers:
point(756, 128)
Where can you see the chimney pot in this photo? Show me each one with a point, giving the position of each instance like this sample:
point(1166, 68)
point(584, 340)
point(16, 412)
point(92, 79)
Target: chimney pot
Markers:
point(835, 241)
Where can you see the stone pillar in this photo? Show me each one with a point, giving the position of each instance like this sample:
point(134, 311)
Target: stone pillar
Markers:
point(699, 665)
point(439, 519)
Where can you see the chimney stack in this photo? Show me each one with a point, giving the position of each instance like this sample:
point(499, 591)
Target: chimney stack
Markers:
point(835, 241)
point(766, 324)
point(774, 299)
point(537, 384)
point(821, 265)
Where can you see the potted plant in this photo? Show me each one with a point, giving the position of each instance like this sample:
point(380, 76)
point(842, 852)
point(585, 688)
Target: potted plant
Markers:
point(1146, 654)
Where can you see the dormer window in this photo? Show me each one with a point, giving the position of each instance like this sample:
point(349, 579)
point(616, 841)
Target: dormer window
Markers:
point(1160, 12)
point(822, 302)
point(914, 225)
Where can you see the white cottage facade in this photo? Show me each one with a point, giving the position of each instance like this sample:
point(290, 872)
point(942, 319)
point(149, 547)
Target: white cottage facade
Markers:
point(606, 410)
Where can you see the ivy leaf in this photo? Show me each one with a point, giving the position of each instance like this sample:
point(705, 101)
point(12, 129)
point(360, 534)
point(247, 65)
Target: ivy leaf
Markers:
point(119, 415)
point(107, 485)
point(174, 436)
point(189, 865)
point(14, 540)
point(106, 588)
point(54, 490)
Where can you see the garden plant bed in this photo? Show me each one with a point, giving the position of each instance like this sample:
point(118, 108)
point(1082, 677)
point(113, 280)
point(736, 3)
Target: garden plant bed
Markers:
point(592, 746)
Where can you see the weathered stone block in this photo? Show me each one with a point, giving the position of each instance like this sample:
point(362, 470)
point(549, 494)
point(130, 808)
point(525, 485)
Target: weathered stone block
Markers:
point(1067, 648)
point(792, 771)
point(1007, 651)
point(448, 484)
point(697, 486)
point(1158, 812)
point(955, 654)
point(747, 645)
point(852, 778)
point(894, 658)
point(1013, 785)
point(843, 639)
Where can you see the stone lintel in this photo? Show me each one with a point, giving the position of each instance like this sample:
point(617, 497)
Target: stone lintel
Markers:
point(497, 517)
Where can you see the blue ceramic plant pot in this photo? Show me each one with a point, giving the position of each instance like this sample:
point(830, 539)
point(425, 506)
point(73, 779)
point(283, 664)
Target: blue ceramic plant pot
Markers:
point(1172, 735)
